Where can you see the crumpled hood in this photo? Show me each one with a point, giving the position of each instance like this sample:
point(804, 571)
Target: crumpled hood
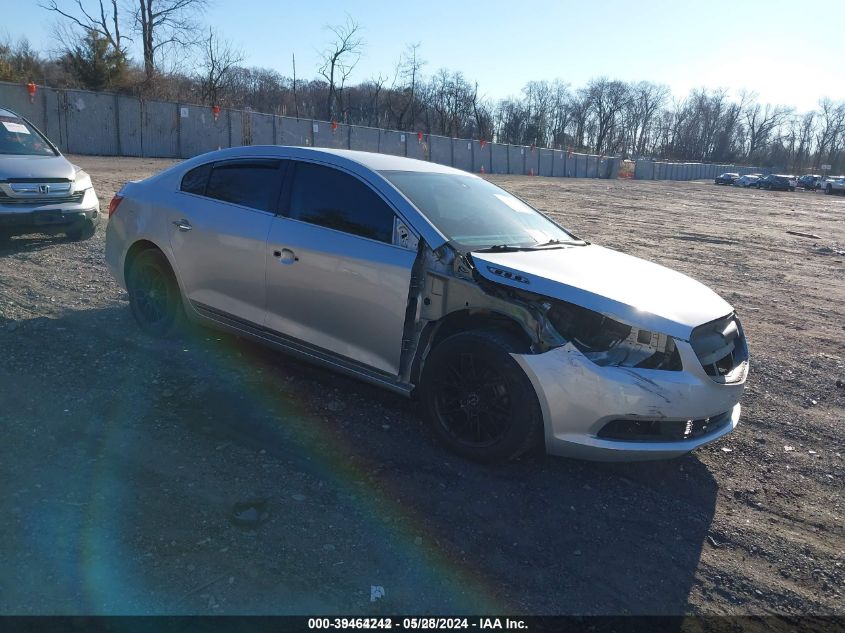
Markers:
point(12, 166)
point(630, 289)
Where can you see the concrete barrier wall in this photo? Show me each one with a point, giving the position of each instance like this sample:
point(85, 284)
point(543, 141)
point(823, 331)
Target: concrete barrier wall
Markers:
point(109, 124)
point(481, 161)
point(416, 147)
point(499, 158)
point(199, 132)
point(440, 149)
point(392, 142)
point(558, 163)
point(295, 132)
point(546, 160)
point(160, 129)
point(129, 117)
point(462, 154)
point(532, 161)
point(516, 160)
point(261, 128)
point(580, 165)
point(592, 167)
point(644, 170)
point(656, 170)
point(326, 136)
point(364, 139)
point(91, 123)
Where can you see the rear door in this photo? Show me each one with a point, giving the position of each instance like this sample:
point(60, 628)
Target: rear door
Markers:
point(218, 232)
point(335, 278)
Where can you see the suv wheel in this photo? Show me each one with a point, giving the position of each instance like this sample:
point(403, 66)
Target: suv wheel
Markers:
point(829, 190)
point(478, 400)
point(154, 296)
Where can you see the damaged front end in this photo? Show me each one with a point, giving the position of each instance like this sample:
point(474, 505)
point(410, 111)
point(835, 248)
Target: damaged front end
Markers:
point(446, 284)
point(608, 389)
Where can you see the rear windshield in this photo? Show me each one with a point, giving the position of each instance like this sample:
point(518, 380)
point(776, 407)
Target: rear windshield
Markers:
point(475, 213)
point(19, 138)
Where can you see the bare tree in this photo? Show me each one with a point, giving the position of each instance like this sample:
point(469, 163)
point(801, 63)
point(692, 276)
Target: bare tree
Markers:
point(831, 131)
point(218, 60)
point(760, 121)
point(104, 24)
point(605, 99)
point(403, 107)
point(166, 23)
point(295, 101)
point(339, 60)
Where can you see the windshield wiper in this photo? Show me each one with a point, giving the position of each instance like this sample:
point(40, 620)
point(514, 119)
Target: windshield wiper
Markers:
point(560, 243)
point(512, 248)
point(501, 248)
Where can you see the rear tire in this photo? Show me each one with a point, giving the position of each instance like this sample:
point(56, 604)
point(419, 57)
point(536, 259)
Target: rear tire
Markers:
point(154, 295)
point(478, 400)
point(829, 190)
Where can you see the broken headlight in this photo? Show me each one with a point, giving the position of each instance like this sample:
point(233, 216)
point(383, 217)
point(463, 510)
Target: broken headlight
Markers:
point(608, 342)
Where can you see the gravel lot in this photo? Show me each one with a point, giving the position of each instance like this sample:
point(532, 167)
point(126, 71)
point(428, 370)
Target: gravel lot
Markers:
point(122, 456)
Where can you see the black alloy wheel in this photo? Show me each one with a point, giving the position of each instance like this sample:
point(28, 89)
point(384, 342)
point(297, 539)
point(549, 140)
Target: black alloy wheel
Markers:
point(154, 296)
point(479, 401)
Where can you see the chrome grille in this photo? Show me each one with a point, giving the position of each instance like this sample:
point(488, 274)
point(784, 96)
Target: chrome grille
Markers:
point(61, 195)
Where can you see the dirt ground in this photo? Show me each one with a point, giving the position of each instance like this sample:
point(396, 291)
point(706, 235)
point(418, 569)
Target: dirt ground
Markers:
point(122, 457)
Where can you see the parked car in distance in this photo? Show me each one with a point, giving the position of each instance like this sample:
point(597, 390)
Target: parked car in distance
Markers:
point(40, 190)
point(833, 184)
point(726, 179)
point(436, 284)
point(776, 182)
point(808, 181)
point(749, 180)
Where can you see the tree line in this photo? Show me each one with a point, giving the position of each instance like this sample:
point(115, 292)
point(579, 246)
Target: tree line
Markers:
point(605, 116)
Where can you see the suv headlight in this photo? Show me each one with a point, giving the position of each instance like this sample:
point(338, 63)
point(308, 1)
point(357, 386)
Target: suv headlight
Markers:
point(608, 342)
point(82, 181)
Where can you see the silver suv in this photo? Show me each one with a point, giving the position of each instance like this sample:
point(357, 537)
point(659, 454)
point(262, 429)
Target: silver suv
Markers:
point(40, 190)
point(436, 284)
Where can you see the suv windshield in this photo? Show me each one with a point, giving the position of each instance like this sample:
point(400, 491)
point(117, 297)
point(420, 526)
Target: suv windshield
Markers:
point(475, 213)
point(19, 138)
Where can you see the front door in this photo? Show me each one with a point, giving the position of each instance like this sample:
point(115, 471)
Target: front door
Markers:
point(334, 277)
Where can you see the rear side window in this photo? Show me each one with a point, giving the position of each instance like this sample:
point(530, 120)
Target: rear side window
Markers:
point(196, 179)
point(328, 197)
point(252, 183)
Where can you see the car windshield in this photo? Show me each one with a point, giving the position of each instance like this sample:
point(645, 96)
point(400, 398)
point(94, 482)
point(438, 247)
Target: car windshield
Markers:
point(19, 138)
point(475, 213)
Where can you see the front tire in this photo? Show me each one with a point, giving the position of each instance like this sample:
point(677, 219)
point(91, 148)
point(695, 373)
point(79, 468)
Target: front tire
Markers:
point(154, 296)
point(84, 231)
point(478, 400)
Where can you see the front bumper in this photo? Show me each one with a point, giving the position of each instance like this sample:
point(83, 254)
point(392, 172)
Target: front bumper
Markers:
point(20, 219)
point(578, 398)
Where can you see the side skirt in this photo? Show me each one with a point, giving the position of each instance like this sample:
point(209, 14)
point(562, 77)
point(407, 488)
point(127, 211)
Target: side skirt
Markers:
point(300, 349)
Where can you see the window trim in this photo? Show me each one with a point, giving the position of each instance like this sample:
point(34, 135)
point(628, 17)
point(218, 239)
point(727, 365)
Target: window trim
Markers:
point(284, 168)
point(287, 193)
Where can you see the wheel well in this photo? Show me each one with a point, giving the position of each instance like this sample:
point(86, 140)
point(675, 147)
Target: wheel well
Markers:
point(134, 250)
point(463, 321)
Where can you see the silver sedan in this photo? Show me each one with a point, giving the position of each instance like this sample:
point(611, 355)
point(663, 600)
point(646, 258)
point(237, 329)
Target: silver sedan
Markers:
point(436, 284)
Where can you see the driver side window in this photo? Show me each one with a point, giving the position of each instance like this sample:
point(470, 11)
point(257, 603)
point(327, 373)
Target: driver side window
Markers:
point(331, 198)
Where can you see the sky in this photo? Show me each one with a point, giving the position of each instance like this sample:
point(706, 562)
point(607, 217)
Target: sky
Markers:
point(775, 48)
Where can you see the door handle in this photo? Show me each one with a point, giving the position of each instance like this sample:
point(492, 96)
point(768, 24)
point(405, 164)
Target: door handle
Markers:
point(286, 256)
point(182, 225)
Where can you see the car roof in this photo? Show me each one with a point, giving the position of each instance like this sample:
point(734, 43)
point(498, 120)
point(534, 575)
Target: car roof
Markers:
point(369, 160)
point(9, 113)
